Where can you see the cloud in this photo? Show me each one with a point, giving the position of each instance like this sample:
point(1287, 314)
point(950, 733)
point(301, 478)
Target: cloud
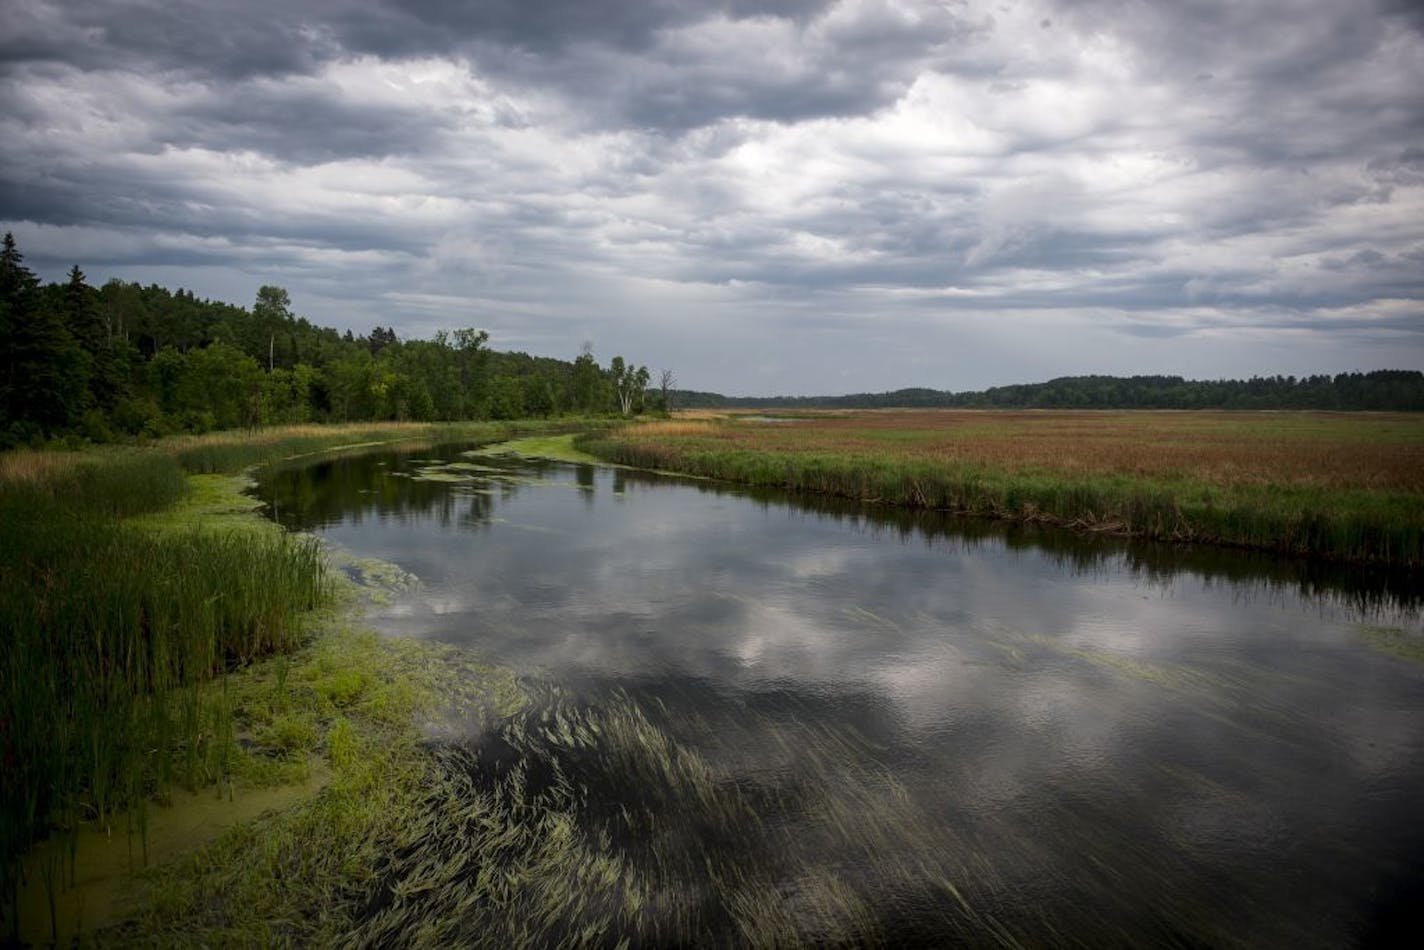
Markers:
point(817, 181)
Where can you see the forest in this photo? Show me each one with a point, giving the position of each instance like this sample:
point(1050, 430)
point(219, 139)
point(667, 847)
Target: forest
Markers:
point(1380, 390)
point(125, 360)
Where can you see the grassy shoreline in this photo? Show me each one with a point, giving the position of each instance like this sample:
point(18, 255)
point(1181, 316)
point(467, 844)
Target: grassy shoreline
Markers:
point(1294, 483)
point(170, 648)
point(345, 816)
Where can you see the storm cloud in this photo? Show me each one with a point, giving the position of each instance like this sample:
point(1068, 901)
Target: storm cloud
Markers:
point(766, 197)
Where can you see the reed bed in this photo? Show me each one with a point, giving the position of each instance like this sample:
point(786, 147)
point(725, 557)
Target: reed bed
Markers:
point(111, 630)
point(236, 450)
point(1345, 487)
point(102, 484)
point(121, 611)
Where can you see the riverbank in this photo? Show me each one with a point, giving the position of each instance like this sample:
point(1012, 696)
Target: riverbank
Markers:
point(1346, 487)
point(342, 813)
point(178, 665)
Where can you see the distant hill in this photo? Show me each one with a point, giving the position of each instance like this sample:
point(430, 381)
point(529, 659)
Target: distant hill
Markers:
point(1381, 390)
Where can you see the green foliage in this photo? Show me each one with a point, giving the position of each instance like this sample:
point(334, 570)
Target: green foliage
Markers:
point(127, 360)
point(506, 398)
point(47, 371)
point(630, 384)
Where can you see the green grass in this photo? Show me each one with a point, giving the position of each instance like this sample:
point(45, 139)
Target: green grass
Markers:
point(112, 629)
point(562, 822)
point(559, 448)
point(159, 641)
point(970, 472)
point(236, 451)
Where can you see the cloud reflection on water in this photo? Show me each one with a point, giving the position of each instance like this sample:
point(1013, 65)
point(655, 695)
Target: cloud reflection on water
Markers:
point(1063, 705)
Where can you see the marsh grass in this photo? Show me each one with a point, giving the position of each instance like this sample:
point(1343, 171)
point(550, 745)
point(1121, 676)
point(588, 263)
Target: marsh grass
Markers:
point(111, 632)
point(237, 450)
point(113, 629)
point(348, 704)
point(559, 448)
point(1346, 488)
point(139, 593)
point(99, 484)
point(123, 585)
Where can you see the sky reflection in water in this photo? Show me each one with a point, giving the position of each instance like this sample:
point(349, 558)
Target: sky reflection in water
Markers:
point(1109, 729)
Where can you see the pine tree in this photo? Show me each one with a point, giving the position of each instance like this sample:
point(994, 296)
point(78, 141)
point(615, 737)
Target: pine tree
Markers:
point(107, 376)
point(16, 281)
point(46, 371)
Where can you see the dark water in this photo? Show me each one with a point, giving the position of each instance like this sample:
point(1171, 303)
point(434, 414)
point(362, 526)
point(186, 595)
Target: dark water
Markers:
point(924, 730)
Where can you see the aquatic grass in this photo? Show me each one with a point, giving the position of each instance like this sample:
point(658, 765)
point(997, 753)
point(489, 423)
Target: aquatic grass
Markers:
point(1395, 641)
point(237, 450)
point(132, 596)
point(559, 448)
point(570, 822)
point(111, 628)
point(343, 707)
point(1302, 486)
point(302, 875)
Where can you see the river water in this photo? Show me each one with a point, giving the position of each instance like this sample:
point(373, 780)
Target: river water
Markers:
point(916, 729)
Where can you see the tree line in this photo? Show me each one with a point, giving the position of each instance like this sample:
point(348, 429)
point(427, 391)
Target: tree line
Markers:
point(126, 360)
point(1381, 390)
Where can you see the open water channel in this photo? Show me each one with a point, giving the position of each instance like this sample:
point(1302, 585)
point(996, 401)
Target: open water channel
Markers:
point(802, 722)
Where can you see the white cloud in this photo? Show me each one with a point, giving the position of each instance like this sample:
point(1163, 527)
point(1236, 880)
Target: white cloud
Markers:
point(821, 188)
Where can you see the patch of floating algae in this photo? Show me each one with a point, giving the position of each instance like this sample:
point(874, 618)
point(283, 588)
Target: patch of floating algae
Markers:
point(1404, 644)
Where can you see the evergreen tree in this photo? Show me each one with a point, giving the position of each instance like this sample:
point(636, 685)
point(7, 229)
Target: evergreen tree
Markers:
point(46, 372)
point(108, 369)
point(81, 315)
point(586, 382)
point(15, 282)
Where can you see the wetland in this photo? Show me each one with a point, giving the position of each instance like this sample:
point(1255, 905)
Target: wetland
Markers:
point(756, 717)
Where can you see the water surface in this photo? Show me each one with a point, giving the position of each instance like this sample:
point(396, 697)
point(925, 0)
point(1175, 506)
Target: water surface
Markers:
point(889, 727)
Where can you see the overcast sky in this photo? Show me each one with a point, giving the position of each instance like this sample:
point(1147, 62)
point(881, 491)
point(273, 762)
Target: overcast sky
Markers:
point(765, 197)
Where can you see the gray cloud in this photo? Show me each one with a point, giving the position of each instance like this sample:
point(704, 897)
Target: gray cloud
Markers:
point(209, 39)
point(306, 127)
point(1024, 190)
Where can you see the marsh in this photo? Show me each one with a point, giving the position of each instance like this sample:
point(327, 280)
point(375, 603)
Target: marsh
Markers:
point(766, 718)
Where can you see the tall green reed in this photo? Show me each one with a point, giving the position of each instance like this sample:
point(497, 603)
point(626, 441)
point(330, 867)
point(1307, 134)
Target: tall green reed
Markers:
point(110, 632)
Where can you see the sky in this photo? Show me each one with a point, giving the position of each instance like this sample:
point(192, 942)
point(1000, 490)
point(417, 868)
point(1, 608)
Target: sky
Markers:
point(763, 196)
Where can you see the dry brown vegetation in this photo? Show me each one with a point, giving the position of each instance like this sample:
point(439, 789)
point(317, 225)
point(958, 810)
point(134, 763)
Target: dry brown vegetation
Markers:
point(1347, 486)
point(1329, 450)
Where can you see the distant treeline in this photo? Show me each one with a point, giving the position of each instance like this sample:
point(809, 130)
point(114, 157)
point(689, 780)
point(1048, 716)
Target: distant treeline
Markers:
point(1381, 390)
point(125, 360)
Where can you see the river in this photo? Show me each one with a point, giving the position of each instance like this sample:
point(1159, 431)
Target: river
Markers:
point(904, 728)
